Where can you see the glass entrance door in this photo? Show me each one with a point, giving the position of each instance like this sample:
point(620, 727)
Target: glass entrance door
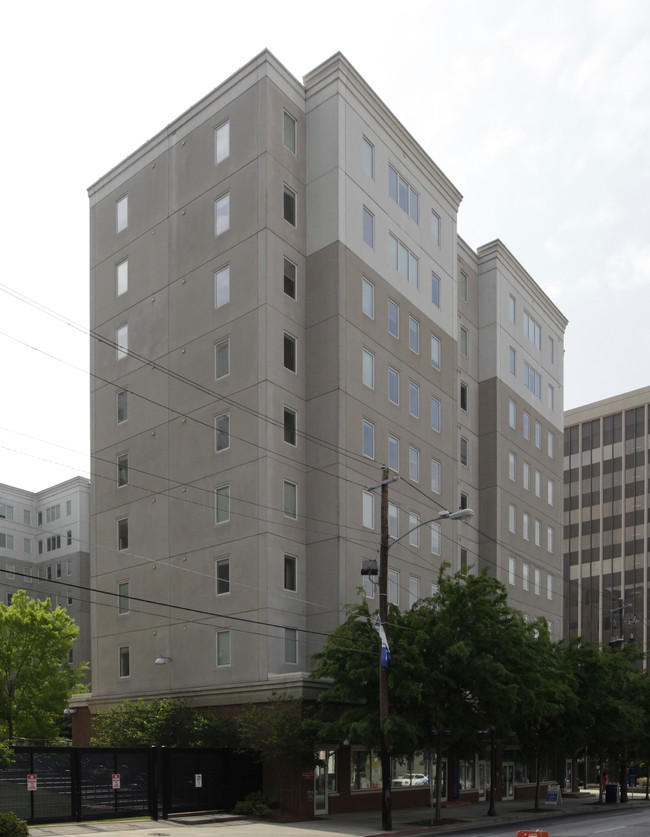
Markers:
point(325, 779)
point(508, 774)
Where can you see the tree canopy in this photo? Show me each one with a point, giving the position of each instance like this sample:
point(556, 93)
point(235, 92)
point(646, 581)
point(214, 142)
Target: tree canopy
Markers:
point(36, 679)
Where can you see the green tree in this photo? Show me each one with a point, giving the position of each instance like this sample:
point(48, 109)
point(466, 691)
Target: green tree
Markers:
point(36, 679)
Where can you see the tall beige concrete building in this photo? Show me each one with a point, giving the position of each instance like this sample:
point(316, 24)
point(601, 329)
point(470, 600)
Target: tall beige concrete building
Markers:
point(606, 519)
point(281, 304)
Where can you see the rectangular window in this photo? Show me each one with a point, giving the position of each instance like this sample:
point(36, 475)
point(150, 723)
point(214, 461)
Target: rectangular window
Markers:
point(435, 414)
point(393, 520)
point(222, 432)
point(393, 385)
point(551, 349)
point(290, 495)
point(122, 469)
point(289, 352)
point(435, 229)
point(368, 157)
point(538, 582)
point(512, 415)
point(464, 342)
point(393, 318)
point(414, 590)
point(368, 227)
point(393, 587)
point(550, 492)
point(123, 597)
point(435, 352)
point(124, 665)
point(403, 193)
point(223, 648)
point(222, 359)
point(414, 531)
point(435, 290)
point(435, 476)
point(368, 368)
point(289, 279)
point(512, 309)
point(525, 526)
point(222, 142)
point(68, 536)
point(464, 286)
point(464, 558)
point(122, 341)
point(538, 435)
point(464, 397)
point(436, 539)
point(222, 504)
point(122, 406)
point(27, 546)
point(526, 429)
point(368, 298)
point(6, 512)
point(414, 399)
point(550, 444)
point(123, 534)
point(122, 213)
point(368, 587)
point(513, 361)
point(368, 510)
point(512, 518)
point(549, 539)
point(532, 330)
point(414, 335)
point(68, 507)
point(290, 645)
point(53, 513)
point(464, 451)
point(122, 277)
point(289, 205)
point(532, 380)
point(403, 260)
point(393, 453)
point(512, 570)
point(512, 466)
point(290, 573)
point(290, 132)
point(27, 516)
point(222, 576)
point(68, 567)
point(414, 464)
point(549, 587)
point(525, 576)
point(538, 533)
point(368, 439)
point(538, 484)
point(550, 397)
point(222, 287)
point(526, 476)
point(222, 214)
point(10, 570)
point(290, 426)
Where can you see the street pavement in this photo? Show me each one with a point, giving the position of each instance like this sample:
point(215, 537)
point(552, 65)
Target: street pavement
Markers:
point(410, 821)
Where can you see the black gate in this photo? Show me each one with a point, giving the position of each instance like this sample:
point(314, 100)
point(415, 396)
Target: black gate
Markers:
point(58, 784)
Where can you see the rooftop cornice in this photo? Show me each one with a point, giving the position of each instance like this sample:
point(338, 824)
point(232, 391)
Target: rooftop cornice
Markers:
point(607, 406)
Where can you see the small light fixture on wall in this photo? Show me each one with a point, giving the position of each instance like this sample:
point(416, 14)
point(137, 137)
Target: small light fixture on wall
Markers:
point(161, 661)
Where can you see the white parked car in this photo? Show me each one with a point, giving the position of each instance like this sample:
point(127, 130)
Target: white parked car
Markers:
point(409, 780)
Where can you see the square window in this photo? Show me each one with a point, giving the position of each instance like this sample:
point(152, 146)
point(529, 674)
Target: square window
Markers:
point(368, 369)
point(414, 399)
point(367, 298)
point(368, 227)
point(368, 510)
point(435, 476)
point(290, 645)
point(290, 494)
point(464, 341)
point(414, 464)
point(368, 439)
point(464, 397)
point(290, 279)
point(435, 290)
point(122, 277)
point(414, 335)
point(124, 661)
point(435, 228)
point(222, 214)
point(368, 157)
point(123, 597)
point(223, 648)
point(123, 469)
point(435, 414)
point(393, 385)
point(222, 576)
point(122, 400)
point(222, 359)
point(289, 205)
point(289, 352)
point(122, 213)
point(393, 318)
point(290, 423)
point(222, 287)
point(290, 573)
point(222, 142)
point(393, 453)
point(222, 504)
point(123, 534)
point(222, 432)
point(290, 132)
point(122, 341)
point(464, 451)
point(435, 352)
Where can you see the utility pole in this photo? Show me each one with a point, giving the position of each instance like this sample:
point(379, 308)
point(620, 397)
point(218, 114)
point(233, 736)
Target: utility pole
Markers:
point(386, 802)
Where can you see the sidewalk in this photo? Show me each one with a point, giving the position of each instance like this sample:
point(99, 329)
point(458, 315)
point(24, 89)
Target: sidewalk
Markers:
point(410, 821)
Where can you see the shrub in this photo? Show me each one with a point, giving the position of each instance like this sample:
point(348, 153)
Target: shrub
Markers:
point(256, 804)
point(12, 826)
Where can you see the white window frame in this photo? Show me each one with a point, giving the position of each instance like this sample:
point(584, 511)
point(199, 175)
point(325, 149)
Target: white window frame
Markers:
point(222, 142)
point(222, 214)
point(122, 213)
point(368, 438)
point(414, 464)
point(222, 359)
point(436, 476)
point(222, 504)
point(435, 352)
point(368, 157)
point(222, 286)
point(414, 335)
point(290, 132)
point(435, 228)
point(414, 399)
point(393, 379)
point(122, 277)
point(122, 341)
point(368, 510)
point(222, 432)
point(223, 649)
point(436, 414)
point(393, 453)
point(368, 227)
point(393, 307)
point(368, 368)
point(368, 297)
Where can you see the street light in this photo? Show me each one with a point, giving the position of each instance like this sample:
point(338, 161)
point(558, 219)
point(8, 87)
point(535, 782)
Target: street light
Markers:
point(384, 546)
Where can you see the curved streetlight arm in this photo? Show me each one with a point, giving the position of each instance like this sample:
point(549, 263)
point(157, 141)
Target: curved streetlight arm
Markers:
point(459, 514)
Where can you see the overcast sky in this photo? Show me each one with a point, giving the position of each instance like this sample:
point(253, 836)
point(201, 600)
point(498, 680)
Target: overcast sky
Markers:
point(539, 113)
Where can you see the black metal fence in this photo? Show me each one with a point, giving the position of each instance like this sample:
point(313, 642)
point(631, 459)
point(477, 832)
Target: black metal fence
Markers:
point(54, 784)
